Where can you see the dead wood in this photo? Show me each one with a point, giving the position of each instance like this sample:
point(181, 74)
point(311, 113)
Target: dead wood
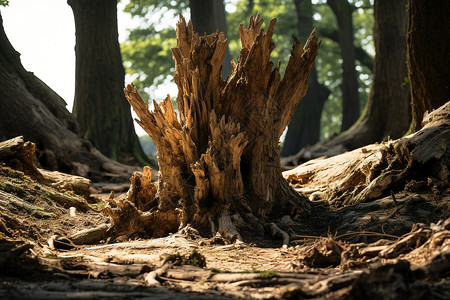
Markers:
point(406, 244)
point(18, 154)
point(77, 184)
point(373, 171)
point(414, 273)
point(91, 235)
point(219, 162)
point(151, 278)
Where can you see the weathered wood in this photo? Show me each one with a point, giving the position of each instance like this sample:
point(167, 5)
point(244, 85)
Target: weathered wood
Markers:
point(219, 162)
point(372, 171)
point(79, 185)
point(91, 235)
point(18, 154)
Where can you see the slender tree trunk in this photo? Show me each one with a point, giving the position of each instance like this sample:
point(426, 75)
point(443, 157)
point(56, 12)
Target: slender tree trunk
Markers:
point(29, 108)
point(220, 161)
point(362, 56)
point(304, 128)
point(428, 56)
point(100, 107)
point(208, 17)
point(349, 87)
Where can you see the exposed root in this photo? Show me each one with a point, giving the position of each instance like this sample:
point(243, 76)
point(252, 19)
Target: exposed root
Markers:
point(374, 170)
point(227, 229)
point(151, 278)
point(276, 232)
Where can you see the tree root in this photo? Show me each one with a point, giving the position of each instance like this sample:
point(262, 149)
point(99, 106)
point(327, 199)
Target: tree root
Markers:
point(227, 229)
point(276, 232)
point(375, 170)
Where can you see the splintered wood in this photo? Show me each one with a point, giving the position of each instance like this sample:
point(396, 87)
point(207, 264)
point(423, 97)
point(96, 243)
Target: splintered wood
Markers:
point(219, 162)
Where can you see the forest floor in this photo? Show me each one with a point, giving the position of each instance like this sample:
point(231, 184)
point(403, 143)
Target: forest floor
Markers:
point(394, 247)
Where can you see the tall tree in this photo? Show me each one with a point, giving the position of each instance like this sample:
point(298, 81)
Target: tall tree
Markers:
point(208, 17)
point(304, 128)
point(387, 112)
point(100, 106)
point(29, 108)
point(349, 87)
point(428, 56)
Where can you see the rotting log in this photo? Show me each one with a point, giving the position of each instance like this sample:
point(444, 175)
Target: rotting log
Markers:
point(220, 160)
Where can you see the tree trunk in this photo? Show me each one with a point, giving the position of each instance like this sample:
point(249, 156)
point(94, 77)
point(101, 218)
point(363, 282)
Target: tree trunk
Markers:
point(304, 128)
point(29, 108)
point(428, 56)
point(361, 55)
point(100, 107)
point(387, 112)
point(349, 87)
point(207, 17)
point(220, 162)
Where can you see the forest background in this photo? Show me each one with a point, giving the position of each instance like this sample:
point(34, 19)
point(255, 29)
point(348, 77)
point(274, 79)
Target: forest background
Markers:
point(146, 47)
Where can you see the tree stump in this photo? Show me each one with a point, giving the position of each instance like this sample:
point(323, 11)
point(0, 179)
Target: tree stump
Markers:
point(220, 160)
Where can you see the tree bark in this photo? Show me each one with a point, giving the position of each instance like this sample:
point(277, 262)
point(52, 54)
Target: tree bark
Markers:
point(387, 113)
point(428, 56)
point(304, 128)
point(220, 162)
point(100, 107)
point(207, 17)
point(349, 87)
point(29, 108)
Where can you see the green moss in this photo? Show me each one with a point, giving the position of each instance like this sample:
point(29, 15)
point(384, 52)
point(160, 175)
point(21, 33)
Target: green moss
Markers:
point(217, 271)
point(194, 259)
point(100, 205)
point(267, 274)
point(11, 188)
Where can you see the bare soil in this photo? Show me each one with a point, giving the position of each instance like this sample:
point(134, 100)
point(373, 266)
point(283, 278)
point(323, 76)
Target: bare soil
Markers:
point(380, 249)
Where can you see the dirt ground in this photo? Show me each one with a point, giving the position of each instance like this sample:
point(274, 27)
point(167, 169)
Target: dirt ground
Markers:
point(394, 247)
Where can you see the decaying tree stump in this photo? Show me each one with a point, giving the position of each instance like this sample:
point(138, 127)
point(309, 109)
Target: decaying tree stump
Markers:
point(220, 161)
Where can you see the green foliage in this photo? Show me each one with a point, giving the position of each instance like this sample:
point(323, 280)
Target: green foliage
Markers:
point(148, 58)
point(329, 69)
point(143, 8)
point(147, 55)
point(194, 259)
point(4, 2)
